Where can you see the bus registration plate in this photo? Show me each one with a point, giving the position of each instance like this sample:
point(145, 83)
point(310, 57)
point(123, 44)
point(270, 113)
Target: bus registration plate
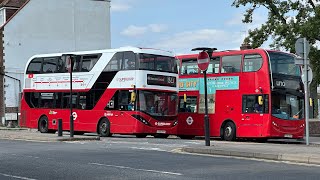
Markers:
point(288, 135)
point(161, 131)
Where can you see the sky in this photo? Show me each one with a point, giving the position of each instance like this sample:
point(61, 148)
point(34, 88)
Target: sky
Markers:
point(178, 25)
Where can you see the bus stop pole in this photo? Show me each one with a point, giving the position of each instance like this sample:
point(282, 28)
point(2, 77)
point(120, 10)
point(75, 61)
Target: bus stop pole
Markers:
point(306, 88)
point(206, 117)
point(71, 116)
point(60, 127)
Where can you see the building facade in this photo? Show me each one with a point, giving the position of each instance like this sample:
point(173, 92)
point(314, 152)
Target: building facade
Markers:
point(45, 26)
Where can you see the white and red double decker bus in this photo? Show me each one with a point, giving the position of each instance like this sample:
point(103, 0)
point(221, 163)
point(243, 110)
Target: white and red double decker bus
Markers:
point(253, 93)
point(116, 91)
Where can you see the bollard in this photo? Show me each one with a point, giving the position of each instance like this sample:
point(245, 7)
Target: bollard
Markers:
point(59, 127)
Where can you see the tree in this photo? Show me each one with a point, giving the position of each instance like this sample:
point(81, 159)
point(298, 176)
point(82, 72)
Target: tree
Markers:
point(287, 21)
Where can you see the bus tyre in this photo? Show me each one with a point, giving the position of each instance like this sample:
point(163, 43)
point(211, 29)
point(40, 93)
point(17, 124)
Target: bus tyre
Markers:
point(43, 124)
point(104, 128)
point(141, 135)
point(78, 133)
point(229, 132)
point(163, 136)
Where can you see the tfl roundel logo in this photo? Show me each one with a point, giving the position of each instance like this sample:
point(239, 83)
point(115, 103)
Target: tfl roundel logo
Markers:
point(189, 120)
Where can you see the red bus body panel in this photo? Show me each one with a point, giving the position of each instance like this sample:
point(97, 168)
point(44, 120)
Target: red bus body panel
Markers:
point(228, 106)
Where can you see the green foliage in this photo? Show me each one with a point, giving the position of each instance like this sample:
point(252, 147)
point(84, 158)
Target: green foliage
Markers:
point(287, 21)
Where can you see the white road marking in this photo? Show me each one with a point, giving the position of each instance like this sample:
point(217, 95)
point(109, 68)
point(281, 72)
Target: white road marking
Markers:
point(17, 177)
point(149, 149)
point(145, 170)
point(193, 142)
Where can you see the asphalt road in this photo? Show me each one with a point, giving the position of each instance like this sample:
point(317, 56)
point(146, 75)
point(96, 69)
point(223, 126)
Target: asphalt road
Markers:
point(132, 158)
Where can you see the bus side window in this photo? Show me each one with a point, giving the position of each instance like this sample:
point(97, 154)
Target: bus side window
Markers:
point(231, 64)
point(189, 106)
point(61, 66)
point(115, 63)
point(251, 104)
point(129, 60)
point(35, 66)
point(76, 64)
point(49, 65)
point(88, 61)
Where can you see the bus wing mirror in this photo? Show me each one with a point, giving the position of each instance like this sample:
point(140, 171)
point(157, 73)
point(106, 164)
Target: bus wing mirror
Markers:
point(260, 100)
point(133, 97)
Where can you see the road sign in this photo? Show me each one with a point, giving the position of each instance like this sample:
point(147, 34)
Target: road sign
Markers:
point(300, 47)
point(203, 60)
point(300, 61)
point(310, 75)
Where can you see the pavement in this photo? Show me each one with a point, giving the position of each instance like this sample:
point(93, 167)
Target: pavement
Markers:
point(35, 135)
point(278, 150)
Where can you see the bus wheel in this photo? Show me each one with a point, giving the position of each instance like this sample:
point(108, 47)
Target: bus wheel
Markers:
point(229, 131)
point(186, 137)
point(141, 135)
point(161, 136)
point(78, 133)
point(43, 124)
point(104, 128)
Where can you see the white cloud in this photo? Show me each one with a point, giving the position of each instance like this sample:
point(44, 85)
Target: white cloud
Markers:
point(183, 42)
point(157, 28)
point(135, 31)
point(120, 6)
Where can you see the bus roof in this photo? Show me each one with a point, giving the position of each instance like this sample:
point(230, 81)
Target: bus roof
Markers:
point(229, 52)
point(127, 48)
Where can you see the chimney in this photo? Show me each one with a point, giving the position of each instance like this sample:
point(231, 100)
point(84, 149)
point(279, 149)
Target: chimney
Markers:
point(245, 45)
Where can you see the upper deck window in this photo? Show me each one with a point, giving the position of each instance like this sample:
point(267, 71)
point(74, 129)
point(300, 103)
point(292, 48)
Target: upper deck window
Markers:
point(231, 64)
point(282, 63)
point(214, 65)
point(189, 66)
point(252, 62)
point(88, 61)
point(84, 63)
point(49, 65)
point(35, 66)
point(122, 61)
point(157, 63)
point(55, 64)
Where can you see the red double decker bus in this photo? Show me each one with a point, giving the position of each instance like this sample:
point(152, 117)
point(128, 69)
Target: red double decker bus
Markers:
point(116, 91)
point(252, 93)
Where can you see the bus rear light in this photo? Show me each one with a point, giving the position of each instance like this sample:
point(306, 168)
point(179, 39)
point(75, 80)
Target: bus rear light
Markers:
point(141, 119)
point(302, 125)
